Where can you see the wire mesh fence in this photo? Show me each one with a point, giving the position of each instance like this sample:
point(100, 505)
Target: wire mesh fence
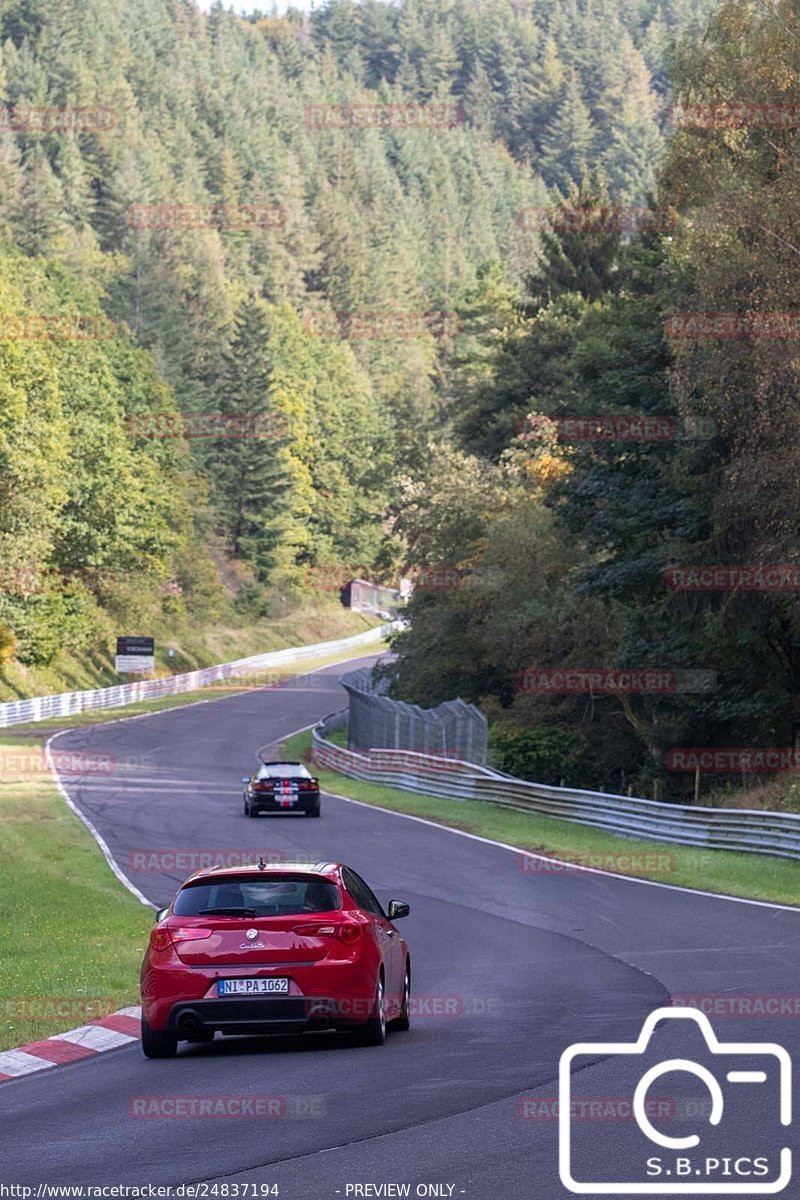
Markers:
point(454, 729)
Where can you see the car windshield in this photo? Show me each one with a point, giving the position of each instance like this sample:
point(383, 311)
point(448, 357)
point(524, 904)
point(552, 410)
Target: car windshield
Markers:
point(276, 896)
point(283, 771)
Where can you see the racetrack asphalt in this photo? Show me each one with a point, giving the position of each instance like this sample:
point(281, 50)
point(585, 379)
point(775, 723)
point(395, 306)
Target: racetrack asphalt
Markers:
point(511, 965)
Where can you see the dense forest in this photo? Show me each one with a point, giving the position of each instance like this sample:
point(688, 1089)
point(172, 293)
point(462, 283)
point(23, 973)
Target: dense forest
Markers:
point(189, 419)
point(599, 550)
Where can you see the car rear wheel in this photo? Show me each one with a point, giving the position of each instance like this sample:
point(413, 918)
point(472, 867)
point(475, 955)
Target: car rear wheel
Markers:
point(373, 1033)
point(314, 812)
point(403, 1022)
point(248, 812)
point(158, 1043)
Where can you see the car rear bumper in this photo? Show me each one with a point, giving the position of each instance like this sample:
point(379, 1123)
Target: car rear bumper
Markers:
point(267, 1014)
point(304, 803)
point(344, 989)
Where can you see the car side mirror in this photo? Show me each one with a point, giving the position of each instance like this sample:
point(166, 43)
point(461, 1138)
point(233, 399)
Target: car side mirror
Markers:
point(161, 913)
point(398, 909)
point(245, 779)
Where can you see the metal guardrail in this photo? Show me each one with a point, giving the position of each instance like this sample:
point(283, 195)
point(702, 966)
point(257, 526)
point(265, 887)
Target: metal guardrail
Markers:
point(66, 704)
point(746, 830)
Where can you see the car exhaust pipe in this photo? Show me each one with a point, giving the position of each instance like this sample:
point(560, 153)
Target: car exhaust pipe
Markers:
point(188, 1023)
point(319, 1018)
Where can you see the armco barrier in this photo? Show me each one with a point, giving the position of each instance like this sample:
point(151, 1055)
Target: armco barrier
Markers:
point(66, 704)
point(749, 830)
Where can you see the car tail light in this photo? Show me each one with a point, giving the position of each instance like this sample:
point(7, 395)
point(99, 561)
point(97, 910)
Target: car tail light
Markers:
point(308, 785)
point(163, 939)
point(262, 787)
point(349, 934)
point(159, 940)
point(191, 933)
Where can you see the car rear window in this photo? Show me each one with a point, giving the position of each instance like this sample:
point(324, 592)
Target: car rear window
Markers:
point(284, 771)
point(275, 896)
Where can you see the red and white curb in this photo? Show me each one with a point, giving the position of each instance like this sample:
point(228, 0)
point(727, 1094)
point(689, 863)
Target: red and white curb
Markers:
point(109, 1033)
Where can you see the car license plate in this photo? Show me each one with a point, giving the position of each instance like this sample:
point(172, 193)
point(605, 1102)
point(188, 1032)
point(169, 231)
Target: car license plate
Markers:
point(252, 987)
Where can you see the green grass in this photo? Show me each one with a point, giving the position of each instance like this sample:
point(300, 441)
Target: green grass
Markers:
point(71, 937)
point(754, 876)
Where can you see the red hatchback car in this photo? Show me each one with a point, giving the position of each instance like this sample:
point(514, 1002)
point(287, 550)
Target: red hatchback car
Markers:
point(268, 949)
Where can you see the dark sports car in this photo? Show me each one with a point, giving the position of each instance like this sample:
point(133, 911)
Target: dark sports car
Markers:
point(281, 787)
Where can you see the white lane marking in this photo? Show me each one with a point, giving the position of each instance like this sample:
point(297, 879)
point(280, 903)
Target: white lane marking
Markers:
point(98, 837)
point(18, 1062)
point(96, 1037)
point(474, 837)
